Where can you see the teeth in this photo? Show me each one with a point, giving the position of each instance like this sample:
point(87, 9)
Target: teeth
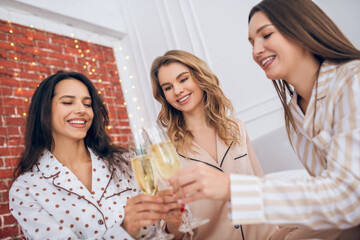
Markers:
point(184, 98)
point(265, 61)
point(77, 122)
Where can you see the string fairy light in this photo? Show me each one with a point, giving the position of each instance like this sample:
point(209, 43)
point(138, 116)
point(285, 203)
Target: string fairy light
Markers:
point(13, 104)
point(91, 66)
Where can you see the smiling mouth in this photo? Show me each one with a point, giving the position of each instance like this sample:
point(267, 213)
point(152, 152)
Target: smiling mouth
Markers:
point(267, 60)
point(183, 99)
point(77, 122)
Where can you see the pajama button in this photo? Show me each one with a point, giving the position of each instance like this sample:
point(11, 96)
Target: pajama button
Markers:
point(100, 222)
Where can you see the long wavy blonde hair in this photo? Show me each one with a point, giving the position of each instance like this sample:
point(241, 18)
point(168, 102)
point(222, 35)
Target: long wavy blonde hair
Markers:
point(218, 108)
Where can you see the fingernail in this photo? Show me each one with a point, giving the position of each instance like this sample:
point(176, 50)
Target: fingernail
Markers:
point(182, 209)
point(180, 200)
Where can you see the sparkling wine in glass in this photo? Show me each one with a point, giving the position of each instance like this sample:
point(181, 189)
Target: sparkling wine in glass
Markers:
point(145, 175)
point(167, 163)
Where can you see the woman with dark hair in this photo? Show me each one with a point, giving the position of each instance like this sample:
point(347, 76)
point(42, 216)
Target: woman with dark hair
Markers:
point(71, 182)
point(309, 59)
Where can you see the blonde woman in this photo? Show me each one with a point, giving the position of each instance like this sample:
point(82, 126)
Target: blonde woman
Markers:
point(199, 121)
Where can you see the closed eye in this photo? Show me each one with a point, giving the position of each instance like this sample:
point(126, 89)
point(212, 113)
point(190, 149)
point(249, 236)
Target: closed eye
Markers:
point(183, 80)
point(267, 35)
point(167, 88)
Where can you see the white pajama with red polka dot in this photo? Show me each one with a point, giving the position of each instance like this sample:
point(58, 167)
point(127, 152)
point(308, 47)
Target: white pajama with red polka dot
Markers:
point(50, 202)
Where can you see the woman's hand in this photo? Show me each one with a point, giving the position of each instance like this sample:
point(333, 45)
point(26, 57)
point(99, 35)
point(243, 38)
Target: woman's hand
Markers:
point(199, 181)
point(141, 211)
point(175, 210)
point(173, 217)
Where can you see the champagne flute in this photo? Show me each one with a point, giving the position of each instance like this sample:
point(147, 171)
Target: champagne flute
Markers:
point(167, 163)
point(143, 169)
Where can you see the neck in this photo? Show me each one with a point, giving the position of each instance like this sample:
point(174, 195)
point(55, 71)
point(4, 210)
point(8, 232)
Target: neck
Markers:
point(304, 77)
point(195, 120)
point(71, 153)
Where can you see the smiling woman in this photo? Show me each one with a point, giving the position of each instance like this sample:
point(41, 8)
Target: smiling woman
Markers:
point(71, 110)
point(71, 182)
point(199, 121)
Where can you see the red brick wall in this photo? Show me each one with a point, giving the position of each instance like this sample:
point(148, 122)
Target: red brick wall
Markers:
point(28, 56)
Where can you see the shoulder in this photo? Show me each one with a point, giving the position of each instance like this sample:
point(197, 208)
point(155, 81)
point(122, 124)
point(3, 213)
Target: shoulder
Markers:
point(240, 123)
point(352, 66)
point(348, 70)
point(346, 76)
point(242, 129)
point(23, 182)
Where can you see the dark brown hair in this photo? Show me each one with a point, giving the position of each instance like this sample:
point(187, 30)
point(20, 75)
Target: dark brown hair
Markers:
point(38, 134)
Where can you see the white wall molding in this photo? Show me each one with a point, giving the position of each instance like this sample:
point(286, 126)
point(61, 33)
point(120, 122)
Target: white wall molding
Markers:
point(167, 24)
point(259, 109)
point(194, 30)
point(262, 117)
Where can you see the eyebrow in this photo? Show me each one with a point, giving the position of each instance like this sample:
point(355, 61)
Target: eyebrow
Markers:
point(178, 76)
point(70, 96)
point(261, 28)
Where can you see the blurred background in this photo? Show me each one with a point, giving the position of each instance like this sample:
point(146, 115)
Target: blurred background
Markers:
point(114, 43)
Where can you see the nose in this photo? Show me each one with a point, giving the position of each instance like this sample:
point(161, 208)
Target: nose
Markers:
point(79, 108)
point(258, 48)
point(178, 89)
